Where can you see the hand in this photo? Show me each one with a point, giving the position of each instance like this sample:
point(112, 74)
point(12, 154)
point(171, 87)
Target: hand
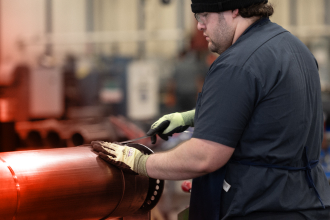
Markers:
point(170, 124)
point(128, 159)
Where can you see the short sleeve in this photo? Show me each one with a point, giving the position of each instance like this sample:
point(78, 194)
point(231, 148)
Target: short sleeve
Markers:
point(226, 104)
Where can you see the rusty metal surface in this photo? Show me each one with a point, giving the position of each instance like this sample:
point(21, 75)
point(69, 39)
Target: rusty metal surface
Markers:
point(66, 183)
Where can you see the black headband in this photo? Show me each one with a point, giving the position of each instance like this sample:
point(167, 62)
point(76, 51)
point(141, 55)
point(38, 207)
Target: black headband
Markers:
point(198, 6)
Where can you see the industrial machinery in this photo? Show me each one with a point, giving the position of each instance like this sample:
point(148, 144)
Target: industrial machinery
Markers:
point(72, 183)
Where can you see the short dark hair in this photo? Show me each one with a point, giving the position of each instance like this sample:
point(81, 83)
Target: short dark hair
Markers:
point(260, 10)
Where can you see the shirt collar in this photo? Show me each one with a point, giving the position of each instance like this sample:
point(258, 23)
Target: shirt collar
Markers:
point(256, 23)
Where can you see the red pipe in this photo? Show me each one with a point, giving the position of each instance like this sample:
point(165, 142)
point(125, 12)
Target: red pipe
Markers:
point(68, 183)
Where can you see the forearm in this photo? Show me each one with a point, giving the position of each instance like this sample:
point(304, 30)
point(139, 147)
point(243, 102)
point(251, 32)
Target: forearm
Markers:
point(168, 165)
point(191, 159)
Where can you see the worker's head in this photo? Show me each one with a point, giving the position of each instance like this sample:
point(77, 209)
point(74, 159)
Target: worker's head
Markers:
point(223, 21)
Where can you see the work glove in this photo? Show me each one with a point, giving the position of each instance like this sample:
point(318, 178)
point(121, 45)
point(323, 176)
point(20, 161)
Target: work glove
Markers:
point(126, 158)
point(170, 124)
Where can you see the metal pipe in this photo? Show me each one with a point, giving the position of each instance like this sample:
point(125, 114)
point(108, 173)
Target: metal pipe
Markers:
point(53, 139)
point(69, 183)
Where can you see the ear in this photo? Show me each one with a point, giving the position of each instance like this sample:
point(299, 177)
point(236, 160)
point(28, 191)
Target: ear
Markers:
point(235, 13)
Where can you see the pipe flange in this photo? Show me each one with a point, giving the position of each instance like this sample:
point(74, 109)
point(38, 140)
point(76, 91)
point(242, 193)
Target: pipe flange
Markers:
point(156, 186)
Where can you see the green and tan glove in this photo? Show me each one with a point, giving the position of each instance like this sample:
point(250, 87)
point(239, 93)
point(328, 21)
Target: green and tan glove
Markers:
point(170, 124)
point(127, 158)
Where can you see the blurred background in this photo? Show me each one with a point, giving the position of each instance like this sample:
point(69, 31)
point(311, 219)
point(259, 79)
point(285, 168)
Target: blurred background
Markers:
point(73, 71)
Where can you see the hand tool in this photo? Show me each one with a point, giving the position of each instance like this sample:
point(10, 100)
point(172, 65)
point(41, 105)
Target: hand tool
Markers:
point(136, 139)
point(132, 140)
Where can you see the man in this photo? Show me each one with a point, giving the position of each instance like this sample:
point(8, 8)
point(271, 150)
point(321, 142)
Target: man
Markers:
point(189, 66)
point(258, 123)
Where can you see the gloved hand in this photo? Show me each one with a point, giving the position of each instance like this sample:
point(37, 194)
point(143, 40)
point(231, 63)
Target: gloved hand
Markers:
point(127, 158)
point(170, 124)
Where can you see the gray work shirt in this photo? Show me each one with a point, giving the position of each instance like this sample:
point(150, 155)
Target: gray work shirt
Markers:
point(262, 97)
